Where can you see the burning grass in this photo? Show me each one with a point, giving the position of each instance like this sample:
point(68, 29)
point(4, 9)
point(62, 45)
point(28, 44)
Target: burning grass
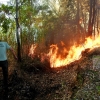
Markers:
point(61, 56)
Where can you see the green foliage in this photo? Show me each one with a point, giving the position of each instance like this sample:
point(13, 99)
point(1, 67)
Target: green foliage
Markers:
point(6, 9)
point(5, 19)
point(5, 25)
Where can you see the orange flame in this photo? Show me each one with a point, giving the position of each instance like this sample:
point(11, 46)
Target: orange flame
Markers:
point(74, 53)
point(32, 50)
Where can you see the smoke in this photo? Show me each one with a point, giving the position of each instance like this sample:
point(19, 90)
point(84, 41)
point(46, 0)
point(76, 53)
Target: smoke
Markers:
point(67, 34)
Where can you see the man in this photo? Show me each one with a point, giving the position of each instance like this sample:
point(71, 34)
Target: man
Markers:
point(4, 63)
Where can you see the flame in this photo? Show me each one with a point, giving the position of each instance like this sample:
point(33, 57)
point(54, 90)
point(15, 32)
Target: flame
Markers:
point(74, 53)
point(56, 60)
point(32, 50)
point(65, 56)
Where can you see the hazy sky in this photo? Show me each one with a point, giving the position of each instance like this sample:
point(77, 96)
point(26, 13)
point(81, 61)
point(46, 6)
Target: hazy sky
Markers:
point(4, 1)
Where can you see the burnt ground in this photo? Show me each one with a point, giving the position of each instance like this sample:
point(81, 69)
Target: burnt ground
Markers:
point(33, 80)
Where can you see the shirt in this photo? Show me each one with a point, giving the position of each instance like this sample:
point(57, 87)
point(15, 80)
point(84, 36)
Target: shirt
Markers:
point(3, 49)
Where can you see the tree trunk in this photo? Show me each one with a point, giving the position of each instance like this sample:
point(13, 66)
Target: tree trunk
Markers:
point(17, 34)
point(91, 17)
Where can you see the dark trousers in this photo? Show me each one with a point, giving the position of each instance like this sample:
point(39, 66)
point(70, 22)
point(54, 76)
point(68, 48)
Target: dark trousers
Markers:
point(4, 65)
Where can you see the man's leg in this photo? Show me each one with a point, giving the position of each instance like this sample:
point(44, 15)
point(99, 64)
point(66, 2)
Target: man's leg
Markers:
point(5, 78)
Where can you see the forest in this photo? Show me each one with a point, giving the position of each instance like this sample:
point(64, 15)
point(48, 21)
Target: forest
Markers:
point(57, 43)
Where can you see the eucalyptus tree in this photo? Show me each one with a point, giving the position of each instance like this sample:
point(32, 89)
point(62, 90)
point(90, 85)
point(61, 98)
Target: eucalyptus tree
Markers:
point(92, 16)
point(97, 21)
point(30, 20)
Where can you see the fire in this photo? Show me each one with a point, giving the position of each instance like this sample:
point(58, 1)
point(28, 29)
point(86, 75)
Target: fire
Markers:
point(74, 53)
point(56, 60)
point(32, 50)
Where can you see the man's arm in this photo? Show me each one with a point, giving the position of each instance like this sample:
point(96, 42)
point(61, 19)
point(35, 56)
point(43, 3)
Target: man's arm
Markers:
point(11, 49)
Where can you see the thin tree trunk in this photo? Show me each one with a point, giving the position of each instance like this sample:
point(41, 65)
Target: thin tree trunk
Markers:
point(91, 17)
point(17, 34)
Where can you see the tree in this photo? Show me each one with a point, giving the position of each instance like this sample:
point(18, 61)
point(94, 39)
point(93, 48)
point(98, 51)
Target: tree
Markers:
point(91, 16)
point(17, 34)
